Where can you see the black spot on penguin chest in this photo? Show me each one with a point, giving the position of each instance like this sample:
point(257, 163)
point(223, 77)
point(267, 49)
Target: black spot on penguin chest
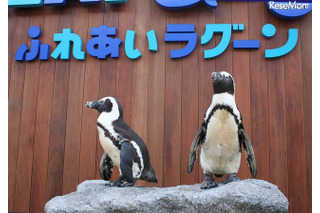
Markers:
point(107, 134)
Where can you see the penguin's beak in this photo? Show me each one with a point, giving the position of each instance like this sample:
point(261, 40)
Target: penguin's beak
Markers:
point(92, 104)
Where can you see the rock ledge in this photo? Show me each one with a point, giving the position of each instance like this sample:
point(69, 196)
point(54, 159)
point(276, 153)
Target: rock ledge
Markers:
point(242, 196)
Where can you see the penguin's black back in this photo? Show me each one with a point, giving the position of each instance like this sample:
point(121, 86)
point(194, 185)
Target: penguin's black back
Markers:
point(122, 128)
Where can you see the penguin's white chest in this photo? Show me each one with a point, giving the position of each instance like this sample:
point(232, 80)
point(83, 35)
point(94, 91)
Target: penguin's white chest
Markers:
point(220, 151)
point(108, 146)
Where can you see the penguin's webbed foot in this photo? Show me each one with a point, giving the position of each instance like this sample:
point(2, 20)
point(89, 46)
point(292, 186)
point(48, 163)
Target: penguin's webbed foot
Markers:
point(118, 182)
point(232, 177)
point(128, 184)
point(208, 182)
point(113, 183)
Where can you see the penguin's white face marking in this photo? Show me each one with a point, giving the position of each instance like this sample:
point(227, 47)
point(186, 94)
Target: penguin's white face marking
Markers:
point(107, 105)
point(111, 112)
point(223, 73)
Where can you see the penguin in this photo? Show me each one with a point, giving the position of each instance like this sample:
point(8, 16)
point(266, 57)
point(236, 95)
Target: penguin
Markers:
point(122, 146)
point(221, 136)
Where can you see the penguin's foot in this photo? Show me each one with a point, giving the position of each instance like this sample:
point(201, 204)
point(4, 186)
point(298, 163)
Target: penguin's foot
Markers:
point(208, 182)
point(118, 182)
point(114, 183)
point(127, 184)
point(232, 177)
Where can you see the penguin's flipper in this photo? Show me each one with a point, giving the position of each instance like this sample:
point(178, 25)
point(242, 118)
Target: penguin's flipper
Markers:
point(106, 166)
point(198, 139)
point(127, 155)
point(244, 139)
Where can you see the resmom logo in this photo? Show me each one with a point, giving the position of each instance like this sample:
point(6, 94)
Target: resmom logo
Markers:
point(288, 6)
point(287, 10)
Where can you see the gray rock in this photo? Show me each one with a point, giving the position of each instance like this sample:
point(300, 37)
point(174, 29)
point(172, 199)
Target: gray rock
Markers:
point(241, 196)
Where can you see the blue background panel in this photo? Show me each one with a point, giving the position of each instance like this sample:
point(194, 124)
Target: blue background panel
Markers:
point(25, 3)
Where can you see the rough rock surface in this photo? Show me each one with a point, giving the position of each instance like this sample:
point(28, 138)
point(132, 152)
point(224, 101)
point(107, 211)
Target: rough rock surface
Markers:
point(241, 196)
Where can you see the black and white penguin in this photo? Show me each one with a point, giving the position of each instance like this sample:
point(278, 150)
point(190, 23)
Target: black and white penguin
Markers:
point(221, 135)
point(122, 146)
